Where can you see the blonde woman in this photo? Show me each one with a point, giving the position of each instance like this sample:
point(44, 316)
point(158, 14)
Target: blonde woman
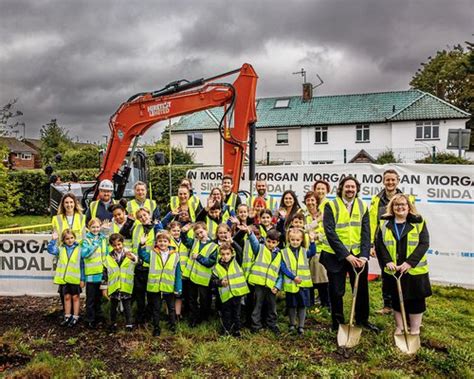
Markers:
point(402, 241)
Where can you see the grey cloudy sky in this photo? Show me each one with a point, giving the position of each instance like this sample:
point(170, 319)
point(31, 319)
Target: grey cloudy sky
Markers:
point(78, 60)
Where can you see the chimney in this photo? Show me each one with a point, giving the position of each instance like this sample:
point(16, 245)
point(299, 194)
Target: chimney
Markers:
point(307, 92)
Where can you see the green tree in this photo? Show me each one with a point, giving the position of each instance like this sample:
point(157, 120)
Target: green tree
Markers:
point(54, 140)
point(179, 156)
point(448, 75)
point(79, 158)
point(387, 156)
point(9, 196)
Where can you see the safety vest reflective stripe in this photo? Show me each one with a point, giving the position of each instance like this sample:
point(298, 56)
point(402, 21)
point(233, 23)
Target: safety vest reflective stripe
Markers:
point(211, 227)
point(270, 202)
point(232, 201)
point(94, 264)
point(193, 203)
point(68, 269)
point(161, 277)
point(138, 232)
point(247, 258)
point(299, 267)
point(198, 273)
point(134, 205)
point(120, 278)
point(78, 225)
point(237, 286)
point(348, 226)
point(413, 239)
point(265, 270)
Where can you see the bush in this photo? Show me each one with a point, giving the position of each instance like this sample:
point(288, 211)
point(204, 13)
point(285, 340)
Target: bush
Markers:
point(445, 158)
point(387, 157)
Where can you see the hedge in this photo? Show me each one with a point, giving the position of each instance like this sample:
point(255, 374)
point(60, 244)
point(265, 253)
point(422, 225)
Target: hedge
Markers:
point(33, 185)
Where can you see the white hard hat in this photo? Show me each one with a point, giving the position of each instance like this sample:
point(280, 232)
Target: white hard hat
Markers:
point(107, 185)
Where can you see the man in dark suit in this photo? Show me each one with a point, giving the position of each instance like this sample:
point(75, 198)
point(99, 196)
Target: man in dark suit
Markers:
point(347, 228)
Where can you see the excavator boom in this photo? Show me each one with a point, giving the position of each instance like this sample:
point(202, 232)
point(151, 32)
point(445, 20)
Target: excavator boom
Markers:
point(134, 117)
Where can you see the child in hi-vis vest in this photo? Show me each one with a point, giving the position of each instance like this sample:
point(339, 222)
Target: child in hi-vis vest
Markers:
point(296, 276)
point(117, 284)
point(69, 274)
point(230, 279)
point(164, 278)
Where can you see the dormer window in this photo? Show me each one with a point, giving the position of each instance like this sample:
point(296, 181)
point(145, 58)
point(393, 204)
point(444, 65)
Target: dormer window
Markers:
point(282, 103)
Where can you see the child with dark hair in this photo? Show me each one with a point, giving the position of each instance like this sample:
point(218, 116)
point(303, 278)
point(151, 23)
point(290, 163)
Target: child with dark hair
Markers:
point(264, 276)
point(117, 283)
point(230, 279)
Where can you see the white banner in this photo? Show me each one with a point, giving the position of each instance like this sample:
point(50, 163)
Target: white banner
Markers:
point(444, 193)
point(26, 268)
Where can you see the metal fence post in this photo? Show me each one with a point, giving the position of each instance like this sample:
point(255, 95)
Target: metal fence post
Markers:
point(268, 158)
point(345, 155)
point(433, 156)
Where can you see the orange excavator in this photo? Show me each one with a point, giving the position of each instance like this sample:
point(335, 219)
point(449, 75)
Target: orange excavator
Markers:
point(141, 111)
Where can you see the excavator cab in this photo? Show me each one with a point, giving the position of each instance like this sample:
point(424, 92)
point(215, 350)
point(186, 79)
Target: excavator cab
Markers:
point(84, 190)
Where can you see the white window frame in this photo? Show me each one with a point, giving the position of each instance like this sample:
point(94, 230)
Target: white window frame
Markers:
point(26, 156)
point(428, 129)
point(193, 140)
point(282, 131)
point(282, 103)
point(323, 132)
point(363, 128)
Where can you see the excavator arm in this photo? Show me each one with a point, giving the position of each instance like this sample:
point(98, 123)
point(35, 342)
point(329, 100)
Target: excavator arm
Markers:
point(134, 117)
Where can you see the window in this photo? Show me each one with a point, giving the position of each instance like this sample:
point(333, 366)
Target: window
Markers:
point(282, 103)
point(25, 156)
point(427, 130)
point(282, 137)
point(362, 133)
point(321, 134)
point(195, 140)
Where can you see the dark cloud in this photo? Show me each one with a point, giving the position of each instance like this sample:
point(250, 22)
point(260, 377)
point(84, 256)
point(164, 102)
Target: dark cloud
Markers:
point(78, 60)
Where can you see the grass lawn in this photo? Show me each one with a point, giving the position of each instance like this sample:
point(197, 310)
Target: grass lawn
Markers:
point(48, 350)
point(16, 221)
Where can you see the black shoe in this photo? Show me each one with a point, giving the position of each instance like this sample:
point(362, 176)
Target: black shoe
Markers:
point(237, 334)
point(156, 332)
point(129, 328)
point(113, 328)
point(292, 328)
point(255, 330)
point(369, 326)
point(335, 327)
point(73, 322)
point(193, 323)
point(65, 321)
point(173, 328)
point(300, 331)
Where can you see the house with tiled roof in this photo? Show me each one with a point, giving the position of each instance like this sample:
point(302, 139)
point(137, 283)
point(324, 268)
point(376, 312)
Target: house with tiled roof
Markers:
point(20, 155)
point(332, 129)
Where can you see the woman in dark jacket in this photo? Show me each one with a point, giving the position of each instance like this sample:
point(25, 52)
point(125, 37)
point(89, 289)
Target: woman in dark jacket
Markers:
point(402, 241)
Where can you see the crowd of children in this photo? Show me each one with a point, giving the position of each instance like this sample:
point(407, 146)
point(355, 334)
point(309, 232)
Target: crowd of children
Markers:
point(241, 255)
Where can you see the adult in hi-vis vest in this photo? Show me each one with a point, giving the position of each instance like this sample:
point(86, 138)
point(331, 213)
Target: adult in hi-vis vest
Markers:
point(402, 241)
point(141, 201)
point(378, 205)
point(70, 217)
point(261, 187)
point(100, 208)
point(232, 199)
point(184, 207)
point(347, 247)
